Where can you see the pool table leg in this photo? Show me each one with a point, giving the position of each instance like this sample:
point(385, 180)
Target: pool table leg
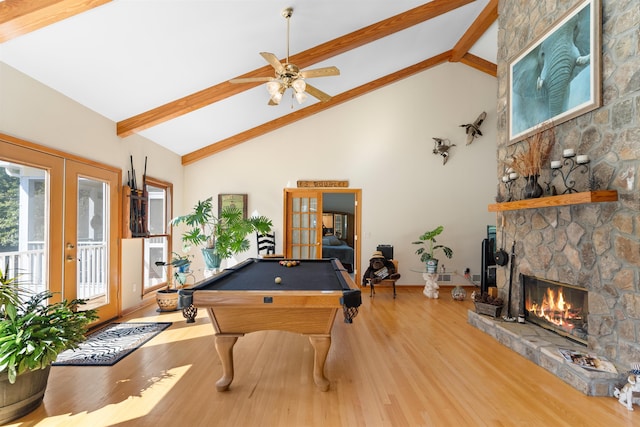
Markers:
point(321, 344)
point(224, 346)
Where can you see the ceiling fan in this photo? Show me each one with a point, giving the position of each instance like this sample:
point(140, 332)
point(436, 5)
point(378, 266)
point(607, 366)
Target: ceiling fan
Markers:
point(288, 75)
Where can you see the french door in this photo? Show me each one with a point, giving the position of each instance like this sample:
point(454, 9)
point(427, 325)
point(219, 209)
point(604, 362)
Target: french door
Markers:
point(90, 236)
point(304, 224)
point(303, 210)
point(61, 224)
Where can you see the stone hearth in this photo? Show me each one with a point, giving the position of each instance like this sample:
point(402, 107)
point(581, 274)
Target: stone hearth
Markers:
point(541, 347)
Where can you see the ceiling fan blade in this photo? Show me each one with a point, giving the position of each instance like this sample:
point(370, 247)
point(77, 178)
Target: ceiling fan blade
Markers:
point(273, 60)
point(320, 72)
point(313, 91)
point(251, 80)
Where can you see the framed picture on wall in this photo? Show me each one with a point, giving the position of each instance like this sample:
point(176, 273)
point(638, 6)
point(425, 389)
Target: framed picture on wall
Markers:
point(558, 76)
point(236, 200)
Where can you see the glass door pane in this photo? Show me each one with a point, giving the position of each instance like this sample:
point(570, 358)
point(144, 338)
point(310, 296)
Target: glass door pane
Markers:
point(303, 232)
point(24, 216)
point(92, 246)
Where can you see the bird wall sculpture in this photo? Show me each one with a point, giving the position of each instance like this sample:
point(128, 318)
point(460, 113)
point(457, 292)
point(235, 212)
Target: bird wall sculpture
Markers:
point(473, 129)
point(441, 148)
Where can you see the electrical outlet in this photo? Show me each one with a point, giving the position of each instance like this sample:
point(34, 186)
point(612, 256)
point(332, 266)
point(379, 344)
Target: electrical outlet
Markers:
point(135, 287)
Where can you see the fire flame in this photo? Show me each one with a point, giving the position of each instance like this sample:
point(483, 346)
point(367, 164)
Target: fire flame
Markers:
point(553, 309)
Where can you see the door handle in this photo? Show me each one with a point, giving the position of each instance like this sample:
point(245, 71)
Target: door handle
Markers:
point(70, 258)
point(70, 246)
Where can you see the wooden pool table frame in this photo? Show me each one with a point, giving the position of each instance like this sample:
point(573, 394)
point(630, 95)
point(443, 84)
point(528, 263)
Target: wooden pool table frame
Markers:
point(236, 313)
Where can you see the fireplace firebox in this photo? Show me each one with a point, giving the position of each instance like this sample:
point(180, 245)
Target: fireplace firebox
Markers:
point(559, 307)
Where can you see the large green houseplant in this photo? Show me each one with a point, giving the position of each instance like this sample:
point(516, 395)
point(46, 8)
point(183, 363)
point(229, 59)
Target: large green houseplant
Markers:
point(222, 236)
point(427, 241)
point(32, 334)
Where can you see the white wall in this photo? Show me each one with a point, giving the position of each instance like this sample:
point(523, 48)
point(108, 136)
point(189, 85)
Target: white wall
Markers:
point(35, 113)
point(381, 143)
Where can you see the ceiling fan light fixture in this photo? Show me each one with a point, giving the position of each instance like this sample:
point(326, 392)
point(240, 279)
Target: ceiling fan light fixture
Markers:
point(301, 97)
point(273, 87)
point(277, 97)
point(289, 76)
point(299, 85)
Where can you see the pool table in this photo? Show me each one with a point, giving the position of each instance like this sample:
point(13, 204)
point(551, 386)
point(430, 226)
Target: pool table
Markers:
point(247, 298)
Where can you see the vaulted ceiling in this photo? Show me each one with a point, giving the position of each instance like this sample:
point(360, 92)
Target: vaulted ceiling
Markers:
point(161, 68)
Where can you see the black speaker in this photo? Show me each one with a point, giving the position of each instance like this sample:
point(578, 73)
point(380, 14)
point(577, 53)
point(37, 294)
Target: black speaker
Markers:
point(387, 251)
point(488, 276)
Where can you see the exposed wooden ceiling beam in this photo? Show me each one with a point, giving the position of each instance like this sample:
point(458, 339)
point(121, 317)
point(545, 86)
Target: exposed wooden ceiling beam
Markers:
point(313, 109)
point(19, 17)
point(304, 59)
point(487, 17)
point(480, 64)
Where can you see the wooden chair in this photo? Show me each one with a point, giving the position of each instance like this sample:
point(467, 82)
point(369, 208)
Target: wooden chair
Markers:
point(391, 282)
point(267, 245)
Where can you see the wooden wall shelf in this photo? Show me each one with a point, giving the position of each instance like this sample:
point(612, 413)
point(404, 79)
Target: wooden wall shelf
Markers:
point(561, 200)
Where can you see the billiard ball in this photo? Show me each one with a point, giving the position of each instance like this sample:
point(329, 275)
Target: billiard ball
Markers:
point(278, 280)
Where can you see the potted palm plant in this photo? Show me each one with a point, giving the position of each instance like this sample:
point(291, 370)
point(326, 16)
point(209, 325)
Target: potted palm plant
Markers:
point(221, 236)
point(32, 334)
point(428, 248)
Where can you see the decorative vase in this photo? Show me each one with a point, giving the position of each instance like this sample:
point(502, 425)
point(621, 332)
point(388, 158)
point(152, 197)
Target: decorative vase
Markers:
point(532, 190)
point(211, 259)
point(458, 293)
point(432, 265)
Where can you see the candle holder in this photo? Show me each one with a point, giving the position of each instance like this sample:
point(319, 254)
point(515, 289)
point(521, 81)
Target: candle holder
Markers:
point(573, 163)
point(508, 180)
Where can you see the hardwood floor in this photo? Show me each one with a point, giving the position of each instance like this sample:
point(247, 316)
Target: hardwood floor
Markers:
point(411, 361)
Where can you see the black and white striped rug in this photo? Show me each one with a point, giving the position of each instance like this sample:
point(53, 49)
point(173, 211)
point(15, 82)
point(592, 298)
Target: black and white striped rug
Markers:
point(109, 345)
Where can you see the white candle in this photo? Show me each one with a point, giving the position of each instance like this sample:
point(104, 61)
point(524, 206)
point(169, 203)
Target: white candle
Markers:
point(513, 175)
point(569, 152)
point(556, 164)
point(505, 178)
point(583, 158)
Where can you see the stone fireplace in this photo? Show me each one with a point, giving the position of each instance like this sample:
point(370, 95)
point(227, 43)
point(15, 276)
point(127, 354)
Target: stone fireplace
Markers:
point(590, 245)
point(559, 307)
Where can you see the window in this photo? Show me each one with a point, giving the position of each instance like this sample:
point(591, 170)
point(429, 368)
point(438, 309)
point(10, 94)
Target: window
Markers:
point(157, 247)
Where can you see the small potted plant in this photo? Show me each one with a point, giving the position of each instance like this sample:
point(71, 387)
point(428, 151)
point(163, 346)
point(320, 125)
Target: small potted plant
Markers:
point(32, 334)
point(222, 237)
point(180, 263)
point(168, 298)
point(428, 248)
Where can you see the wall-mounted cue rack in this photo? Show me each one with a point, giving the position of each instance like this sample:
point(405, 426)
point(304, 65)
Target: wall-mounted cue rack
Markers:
point(135, 203)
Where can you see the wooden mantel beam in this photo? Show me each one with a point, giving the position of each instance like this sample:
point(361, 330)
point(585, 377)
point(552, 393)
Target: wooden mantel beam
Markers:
point(19, 17)
point(304, 59)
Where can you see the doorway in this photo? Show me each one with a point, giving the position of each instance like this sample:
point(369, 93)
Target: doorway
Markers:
point(62, 228)
point(308, 235)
